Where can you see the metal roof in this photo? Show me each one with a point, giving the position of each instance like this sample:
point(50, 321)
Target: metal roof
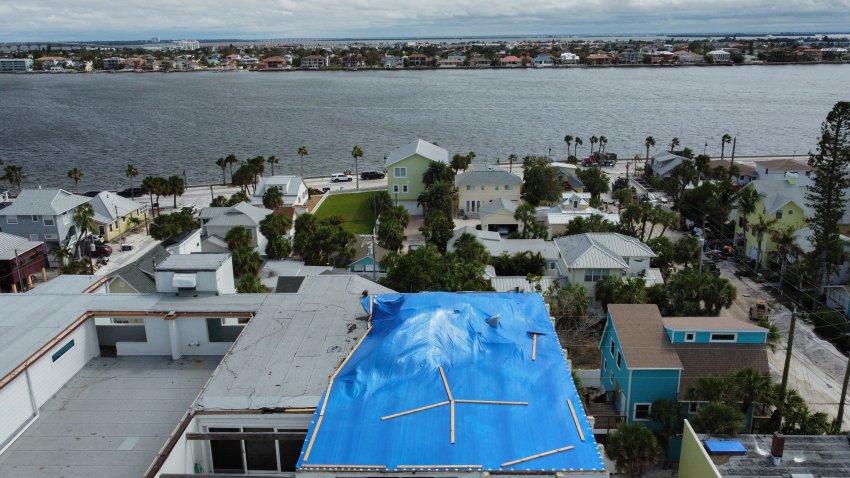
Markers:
point(9, 243)
point(444, 351)
point(288, 185)
point(242, 214)
point(109, 206)
point(487, 176)
point(419, 147)
point(600, 250)
point(498, 205)
point(520, 283)
point(43, 202)
point(193, 262)
point(779, 192)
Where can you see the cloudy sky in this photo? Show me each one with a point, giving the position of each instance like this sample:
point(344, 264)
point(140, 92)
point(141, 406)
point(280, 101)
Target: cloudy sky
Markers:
point(26, 20)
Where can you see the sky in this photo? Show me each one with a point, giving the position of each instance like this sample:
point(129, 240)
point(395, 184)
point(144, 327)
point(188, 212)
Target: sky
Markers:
point(80, 20)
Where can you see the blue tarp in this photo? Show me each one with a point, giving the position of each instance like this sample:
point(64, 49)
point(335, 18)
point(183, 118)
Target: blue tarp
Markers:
point(397, 368)
point(724, 447)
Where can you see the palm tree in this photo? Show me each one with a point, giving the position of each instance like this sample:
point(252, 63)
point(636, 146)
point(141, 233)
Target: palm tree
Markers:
point(709, 388)
point(603, 141)
point(649, 142)
point(785, 239)
point(222, 163)
point(633, 448)
point(250, 284)
point(578, 143)
point(748, 200)
point(356, 153)
point(673, 143)
point(14, 175)
point(724, 140)
point(61, 254)
point(131, 172)
point(302, 151)
point(526, 215)
point(512, 158)
point(238, 237)
point(569, 140)
point(751, 386)
point(231, 160)
point(84, 220)
point(272, 160)
point(76, 175)
point(175, 186)
point(593, 141)
point(246, 261)
point(763, 225)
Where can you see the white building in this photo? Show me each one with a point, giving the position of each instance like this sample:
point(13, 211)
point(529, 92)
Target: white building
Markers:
point(292, 188)
point(15, 64)
point(193, 273)
point(572, 205)
point(720, 56)
point(663, 163)
point(483, 184)
point(568, 58)
point(112, 63)
point(216, 222)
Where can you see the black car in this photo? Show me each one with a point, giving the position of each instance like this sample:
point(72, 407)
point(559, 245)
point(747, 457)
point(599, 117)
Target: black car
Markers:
point(134, 192)
point(372, 175)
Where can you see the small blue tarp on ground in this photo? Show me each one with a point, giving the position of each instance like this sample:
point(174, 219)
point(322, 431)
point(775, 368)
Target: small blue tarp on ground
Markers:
point(397, 366)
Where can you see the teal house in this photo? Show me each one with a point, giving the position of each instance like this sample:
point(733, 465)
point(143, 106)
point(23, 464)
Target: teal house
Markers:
point(647, 357)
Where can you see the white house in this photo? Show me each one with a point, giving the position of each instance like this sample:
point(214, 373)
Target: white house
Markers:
point(392, 62)
point(499, 216)
point(720, 56)
point(294, 191)
point(571, 206)
point(568, 58)
point(15, 64)
point(783, 169)
point(193, 273)
point(587, 258)
point(216, 222)
point(483, 184)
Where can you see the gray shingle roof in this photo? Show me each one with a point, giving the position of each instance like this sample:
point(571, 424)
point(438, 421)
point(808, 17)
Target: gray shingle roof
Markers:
point(779, 192)
point(140, 274)
point(487, 176)
point(108, 206)
point(242, 214)
point(641, 334)
point(420, 147)
point(600, 250)
point(497, 206)
point(43, 202)
point(10, 242)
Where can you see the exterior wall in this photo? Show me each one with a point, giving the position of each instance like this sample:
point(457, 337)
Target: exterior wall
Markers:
point(614, 380)
point(17, 408)
point(189, 245)
point(483, 194)
point(576, 276)
point(30, 263)
point(649, 385)
point(637, 265)
point(156, 330)
point(224, 282)
point(119, 226)
point(503, 217)
point(192, 339)
point(47, 376)
point(792, 215)
point(416, 166)
point(694, 461)
point(704, 337)
point(26, 227)
point(120, 286)
point(257, 238)
point(838, 298)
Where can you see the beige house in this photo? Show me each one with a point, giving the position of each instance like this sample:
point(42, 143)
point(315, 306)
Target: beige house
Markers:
point(571, 205)
point(484, 184)
point(498, 216)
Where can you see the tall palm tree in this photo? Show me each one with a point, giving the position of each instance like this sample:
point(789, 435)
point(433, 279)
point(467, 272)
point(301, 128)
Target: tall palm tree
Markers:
point(302, 151)
point(526, 215)
point(603, 141)
point(786, 244)
point(175, 187)
point(724, 140)
point(748, 199)
point(131, 172)
point(649, 142)
point(569, 140)
point(14, 175)
point(231, 160)
point(673, 143)
point(238, 237)
point(272, 160)
point(75, 175)
point(222, 163)
point(578, 143)
point(512, 158)
point(356, 153)
point(593, 141)
point(84, 220)
point(751, 386)
point(763, 225)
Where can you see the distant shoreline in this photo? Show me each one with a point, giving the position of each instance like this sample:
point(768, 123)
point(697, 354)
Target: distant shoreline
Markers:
point(426, 68)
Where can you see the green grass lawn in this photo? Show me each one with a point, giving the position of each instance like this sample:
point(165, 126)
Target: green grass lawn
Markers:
point(354, 208)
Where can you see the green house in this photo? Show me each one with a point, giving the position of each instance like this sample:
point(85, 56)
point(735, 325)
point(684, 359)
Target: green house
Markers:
point(782, 200)
point(405, 167)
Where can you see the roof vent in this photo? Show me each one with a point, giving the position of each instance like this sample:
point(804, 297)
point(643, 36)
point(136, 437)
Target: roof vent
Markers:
point(493, 321)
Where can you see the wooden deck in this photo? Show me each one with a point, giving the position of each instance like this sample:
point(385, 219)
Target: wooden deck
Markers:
point(605, 415)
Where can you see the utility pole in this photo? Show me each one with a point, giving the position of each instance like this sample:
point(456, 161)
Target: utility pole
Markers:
point(783, 387)
point(212, 195)
point(840, 418)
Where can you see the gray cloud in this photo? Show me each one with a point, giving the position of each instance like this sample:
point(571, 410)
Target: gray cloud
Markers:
point(133, 19)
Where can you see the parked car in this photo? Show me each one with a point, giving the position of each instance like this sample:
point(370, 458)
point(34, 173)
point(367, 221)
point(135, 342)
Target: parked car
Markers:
point(191, 208)
point(102, 250)
point(340, 178)
point(134, 192)
point(372, 175)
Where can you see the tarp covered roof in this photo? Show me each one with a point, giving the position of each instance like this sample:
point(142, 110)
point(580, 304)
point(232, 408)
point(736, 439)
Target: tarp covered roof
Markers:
point(430, 348)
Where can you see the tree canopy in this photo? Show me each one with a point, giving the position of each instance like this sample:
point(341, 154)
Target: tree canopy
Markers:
point(540, 184)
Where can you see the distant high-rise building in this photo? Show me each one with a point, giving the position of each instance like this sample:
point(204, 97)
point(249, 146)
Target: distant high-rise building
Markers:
point(154, 40)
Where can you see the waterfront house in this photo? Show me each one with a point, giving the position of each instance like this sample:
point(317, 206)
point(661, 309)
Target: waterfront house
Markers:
point(571, 205)
point(684, 57)
point(663, 163)
point(273, 63)
point(295, 193)
point(543, 61)
point(782, 168)
point(134, 63)
point(781, 200)
point(216, 222)
point(746, 172)
point(15, 64)
point(20, 259)
point(719, 56)
point(418, 60)
point(113, 63)
point(391, 62)
point(568, 58)
point(483, 184)
point(647, 357)
point(565, 174)
point(630, 57)
point(480, 62)
point(599, 59)
point(809, 55)
point(450, 62)
point(405, 167)
point(43, 215)
point(313, 62)
point(353, 61)
point(510, 61)
point(587, 258)
point(114, 215)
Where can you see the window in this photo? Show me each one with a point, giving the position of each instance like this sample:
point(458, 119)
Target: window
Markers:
point(482, 187)
point(404, 188)
point(723, 337)
point(33, 237)
point(497, 188)
point(604, 364)
point(59, 353)
point(223, 330)
point(575, 204)
point(51, 237)
point(611, 377)
point(611, 348)
point(11, 219)
point(507, 187)
point(778, 214)
point(395, 188)
point(642, 411)
point(226, 454)
point(35, 218)
point(235, 320)
point(619, 359)
point(693, 407)
point(552, 265)
point(690, 337)
point(593, 275)
point(400, 172)
point(48, 221)
point(252, 455)
point(66, 219)
point(260, 455)
point(790, 212)
point(469, 187)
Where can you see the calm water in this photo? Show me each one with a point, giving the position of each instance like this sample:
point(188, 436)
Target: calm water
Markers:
point(167, 123)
